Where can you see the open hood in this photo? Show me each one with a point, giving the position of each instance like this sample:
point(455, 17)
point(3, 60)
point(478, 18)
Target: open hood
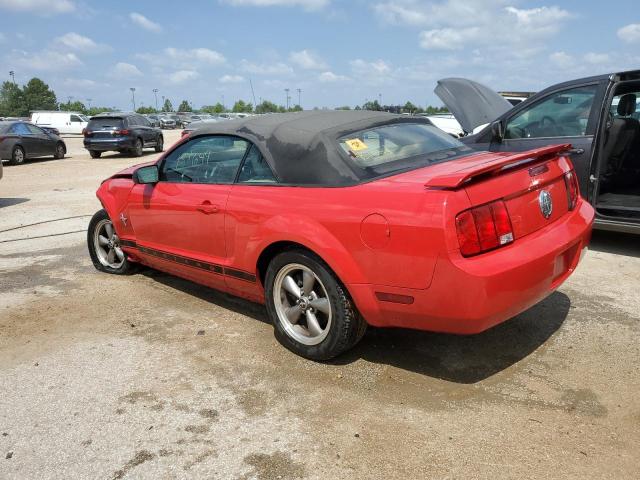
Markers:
point(472, 103)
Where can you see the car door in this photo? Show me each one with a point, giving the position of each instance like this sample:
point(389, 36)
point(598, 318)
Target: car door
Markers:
point(76, 124)
point(568, 115)
point(179, 222)
point(31, 145)
point(45, 146)
point(148, 135)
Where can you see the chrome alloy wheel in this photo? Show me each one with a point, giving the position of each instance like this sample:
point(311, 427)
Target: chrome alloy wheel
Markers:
point(107, 245)
point(302, 304)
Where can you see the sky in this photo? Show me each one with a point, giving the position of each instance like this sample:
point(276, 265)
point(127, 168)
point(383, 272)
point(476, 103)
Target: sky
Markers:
point(337, 52)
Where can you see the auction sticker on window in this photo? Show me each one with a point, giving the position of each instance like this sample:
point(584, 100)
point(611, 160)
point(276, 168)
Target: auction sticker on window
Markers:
point(356, 145)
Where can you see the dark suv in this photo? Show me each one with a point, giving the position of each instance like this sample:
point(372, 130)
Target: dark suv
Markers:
point(121, 132)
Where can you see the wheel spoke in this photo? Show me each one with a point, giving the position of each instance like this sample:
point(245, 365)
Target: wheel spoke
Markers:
point(321, 304)
point(293, 313)
point(103, 241)
point(290, 285)
point(111, 256)
point(308, 281)
point(109, 228)
point(313, 325)
point(119, 253)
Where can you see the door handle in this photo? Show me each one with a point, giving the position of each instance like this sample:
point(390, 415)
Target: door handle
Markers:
point(207, 208)
point(576, 151)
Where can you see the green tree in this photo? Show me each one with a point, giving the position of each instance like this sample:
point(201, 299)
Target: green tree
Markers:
point(267, 107)
point(185, 107)
point(409, 108)
point(38, 96)
point(96, 110)
point(345, 107)
point(11, 100)
point(372, 106)
point(241, 107)
point(167, 107)
point(296, 108)
point(213, 109)
point(146, 110)
point(76, 106)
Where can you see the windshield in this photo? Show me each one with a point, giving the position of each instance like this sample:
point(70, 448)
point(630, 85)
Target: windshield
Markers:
point(106, 122)
point(398, 147)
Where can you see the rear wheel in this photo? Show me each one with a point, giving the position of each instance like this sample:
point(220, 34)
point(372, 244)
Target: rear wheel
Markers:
point(94, 154)
point(159, 144)
point(311, 311)
point(17, 155)
point(60, 151)
point(104, 246)
point(137, 148)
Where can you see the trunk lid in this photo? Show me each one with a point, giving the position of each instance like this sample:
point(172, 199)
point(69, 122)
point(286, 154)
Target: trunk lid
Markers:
point(472, 103)
point(519, 180)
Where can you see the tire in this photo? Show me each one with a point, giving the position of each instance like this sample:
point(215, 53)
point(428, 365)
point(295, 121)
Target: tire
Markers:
point(18, 155)
point(340, 329)
point(100, 255)
point(159, 144)
point(95, 154)
point(60, 151)
point(137, 149)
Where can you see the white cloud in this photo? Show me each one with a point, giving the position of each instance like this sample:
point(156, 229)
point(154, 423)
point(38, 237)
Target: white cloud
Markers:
point(182, 76)
point(83, 84)
point(38, 6)
point(80, 43)
point(183, 59)
point(448, 38)
point(231, 79)
point(562, 59)
point(597, 58)
point(143, 22)
point(307, 60)
point(124, 71)
point(377, 67)
point(276, 68)
point(45, 60)
point(630, 33)
point(306, 4)
point(204, 55)
point(2, 37)
point(330, 77)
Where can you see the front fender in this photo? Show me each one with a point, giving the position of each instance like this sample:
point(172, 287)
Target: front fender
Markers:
point(113, 195)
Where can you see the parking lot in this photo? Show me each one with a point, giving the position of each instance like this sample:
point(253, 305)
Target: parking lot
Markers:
point(148, 375)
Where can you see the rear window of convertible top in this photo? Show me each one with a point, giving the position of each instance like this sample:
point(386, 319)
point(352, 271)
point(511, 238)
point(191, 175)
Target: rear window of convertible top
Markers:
point(398, 147)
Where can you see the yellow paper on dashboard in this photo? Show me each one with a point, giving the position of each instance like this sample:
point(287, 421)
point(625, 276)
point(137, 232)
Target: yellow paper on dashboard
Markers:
point(355, 144)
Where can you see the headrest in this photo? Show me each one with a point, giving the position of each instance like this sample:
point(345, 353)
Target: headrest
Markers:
point(627, 105)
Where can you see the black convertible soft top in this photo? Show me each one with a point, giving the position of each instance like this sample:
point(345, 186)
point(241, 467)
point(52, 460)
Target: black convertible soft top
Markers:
point(302, 147)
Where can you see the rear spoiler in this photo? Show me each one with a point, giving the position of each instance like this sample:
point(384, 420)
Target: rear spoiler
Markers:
point(455, 180)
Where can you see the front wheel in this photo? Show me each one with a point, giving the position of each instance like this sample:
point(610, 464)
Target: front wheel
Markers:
point(104, 246)
point(60, 151)
point(95, 154)
point(311, 311)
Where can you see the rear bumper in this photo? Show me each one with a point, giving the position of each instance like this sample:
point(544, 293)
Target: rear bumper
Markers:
point(470, 295)
point(108, 144)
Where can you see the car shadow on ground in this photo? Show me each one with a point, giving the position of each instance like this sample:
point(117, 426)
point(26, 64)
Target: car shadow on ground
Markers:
point(145, 153)
point(454, 358)
point(9, 202)
point(617, 243)
point(464, 359)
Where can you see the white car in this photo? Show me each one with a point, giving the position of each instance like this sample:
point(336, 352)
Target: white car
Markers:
point(65, 122)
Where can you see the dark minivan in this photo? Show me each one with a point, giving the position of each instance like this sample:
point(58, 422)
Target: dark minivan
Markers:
point(121, 132)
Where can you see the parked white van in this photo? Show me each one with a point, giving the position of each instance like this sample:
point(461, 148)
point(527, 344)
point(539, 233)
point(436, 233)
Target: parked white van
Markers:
point(65, 122)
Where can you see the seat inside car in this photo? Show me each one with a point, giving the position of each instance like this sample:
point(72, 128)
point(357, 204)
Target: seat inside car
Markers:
point(621, 139)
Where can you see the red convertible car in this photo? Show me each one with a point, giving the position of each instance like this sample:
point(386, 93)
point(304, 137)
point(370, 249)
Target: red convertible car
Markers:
point(339, 220)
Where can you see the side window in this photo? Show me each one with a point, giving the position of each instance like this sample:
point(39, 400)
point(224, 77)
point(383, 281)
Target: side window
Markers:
point(212, 159)
point(34, 130)
point(255, 168)
point(562, 114)
point(131, 121)
point(20, 129)
point(143, 121)
point(76, 118)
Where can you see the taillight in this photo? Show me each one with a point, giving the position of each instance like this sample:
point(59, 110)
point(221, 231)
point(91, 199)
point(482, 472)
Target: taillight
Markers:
point(484, 228)
point(86, 132)
point(573, 191)
point(122, 132)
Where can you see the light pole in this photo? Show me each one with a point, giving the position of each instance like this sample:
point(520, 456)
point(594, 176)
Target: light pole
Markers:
point(12, 74)
point(133, 97)
point(155, 94)
point(163, 103)
point(286, 90)
point(89, 103)
point(299, 93)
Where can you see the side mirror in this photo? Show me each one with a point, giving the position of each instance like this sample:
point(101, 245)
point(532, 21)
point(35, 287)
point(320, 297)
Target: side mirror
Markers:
point(148, 174)
point(497, 131)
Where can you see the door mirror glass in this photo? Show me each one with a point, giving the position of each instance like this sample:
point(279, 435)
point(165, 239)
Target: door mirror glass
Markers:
point(148, 174)
point(497, 131)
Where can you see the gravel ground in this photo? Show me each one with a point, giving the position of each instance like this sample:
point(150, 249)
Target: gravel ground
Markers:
point(150, 376)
